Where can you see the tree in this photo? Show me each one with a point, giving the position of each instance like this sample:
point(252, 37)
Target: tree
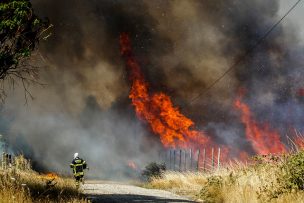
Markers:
point(20, 31)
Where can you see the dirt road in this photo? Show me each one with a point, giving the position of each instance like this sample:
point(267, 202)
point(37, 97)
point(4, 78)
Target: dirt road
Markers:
point(123, 193)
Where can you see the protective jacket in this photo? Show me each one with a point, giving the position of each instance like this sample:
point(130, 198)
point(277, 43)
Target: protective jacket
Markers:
point(78, 165)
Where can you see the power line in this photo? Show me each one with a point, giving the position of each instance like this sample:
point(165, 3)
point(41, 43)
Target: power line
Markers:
point(234, 65)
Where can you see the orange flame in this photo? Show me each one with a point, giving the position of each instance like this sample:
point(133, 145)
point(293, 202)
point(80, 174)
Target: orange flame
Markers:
point(243, 156)
point(132, 165)
point(264, 140)
point(299, 141)
point(157, 109)
point(50, 176)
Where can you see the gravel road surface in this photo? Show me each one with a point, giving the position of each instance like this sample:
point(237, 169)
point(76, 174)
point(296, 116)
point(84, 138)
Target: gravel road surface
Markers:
point(122, 193)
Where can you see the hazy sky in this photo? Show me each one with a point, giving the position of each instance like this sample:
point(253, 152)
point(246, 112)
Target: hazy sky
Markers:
point(296, 16)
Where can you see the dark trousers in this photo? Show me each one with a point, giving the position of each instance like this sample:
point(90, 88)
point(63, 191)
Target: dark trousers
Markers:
point(78, 177)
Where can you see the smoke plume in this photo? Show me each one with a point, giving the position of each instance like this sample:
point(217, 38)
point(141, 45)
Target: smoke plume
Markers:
point(182, 47)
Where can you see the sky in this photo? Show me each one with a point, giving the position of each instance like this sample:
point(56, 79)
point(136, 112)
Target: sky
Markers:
point(296, 17)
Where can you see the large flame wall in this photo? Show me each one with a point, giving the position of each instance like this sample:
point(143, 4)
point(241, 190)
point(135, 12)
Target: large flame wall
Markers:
point(174, 129)
point(165, 120)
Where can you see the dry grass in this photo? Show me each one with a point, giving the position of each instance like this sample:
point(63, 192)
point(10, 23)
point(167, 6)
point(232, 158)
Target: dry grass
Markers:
point(187, 183)
point(28, 186)
point(237, 183)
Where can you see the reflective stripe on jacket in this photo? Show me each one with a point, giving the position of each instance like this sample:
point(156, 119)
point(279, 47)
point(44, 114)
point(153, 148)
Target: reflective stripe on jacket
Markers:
point(78, 165)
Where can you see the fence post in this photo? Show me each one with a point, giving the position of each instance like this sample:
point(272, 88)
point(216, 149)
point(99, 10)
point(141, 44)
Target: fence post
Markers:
point(212, 158)
point(167, 159)
point(191, 159)
point(180, 160)
point(3, 161)
point(185, 158)
point(218, 158)
point(204, 160)
point(198, 157)
point(174, 159)
point(9, 161)
point(170, 159)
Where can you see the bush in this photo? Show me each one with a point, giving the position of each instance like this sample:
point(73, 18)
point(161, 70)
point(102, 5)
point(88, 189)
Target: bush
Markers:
point(153, 170)
point(293, 169)
point(212, 190)
point(290, 178)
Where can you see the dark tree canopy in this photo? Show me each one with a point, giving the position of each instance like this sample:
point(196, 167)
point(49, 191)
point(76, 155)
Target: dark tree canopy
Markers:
point(20, 31)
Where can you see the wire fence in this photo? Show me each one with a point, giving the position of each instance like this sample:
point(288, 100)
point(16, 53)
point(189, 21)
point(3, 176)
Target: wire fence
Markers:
point(9, 161)
point(190, 160)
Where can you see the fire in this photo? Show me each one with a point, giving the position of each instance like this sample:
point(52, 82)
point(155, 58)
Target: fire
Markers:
point(157, 109)
point(300, 92)
point(298, 139)
point(299, 142)
point(132, 165)
point(243, 156)
point(264, 140)
point(50, 176)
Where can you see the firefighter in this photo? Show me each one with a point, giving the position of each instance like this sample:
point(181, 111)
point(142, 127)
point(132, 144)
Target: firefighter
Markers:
point(78, 165)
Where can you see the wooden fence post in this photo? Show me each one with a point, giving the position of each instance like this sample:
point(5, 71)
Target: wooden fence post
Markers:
point(9, 160)
point(191, 159)
point(174, 159)
point(218, 158)
point(180, 160)
point(185, 158)
point(198, 157)
point(6, 161)
point(204, 160)
point(212, 158)
point(167, 159)
point(170, 159)
point(3, 161)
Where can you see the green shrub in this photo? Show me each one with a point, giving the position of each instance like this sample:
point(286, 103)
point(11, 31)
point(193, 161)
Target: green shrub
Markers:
point(290, 178)
point(153, 170)
point(293, 172)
